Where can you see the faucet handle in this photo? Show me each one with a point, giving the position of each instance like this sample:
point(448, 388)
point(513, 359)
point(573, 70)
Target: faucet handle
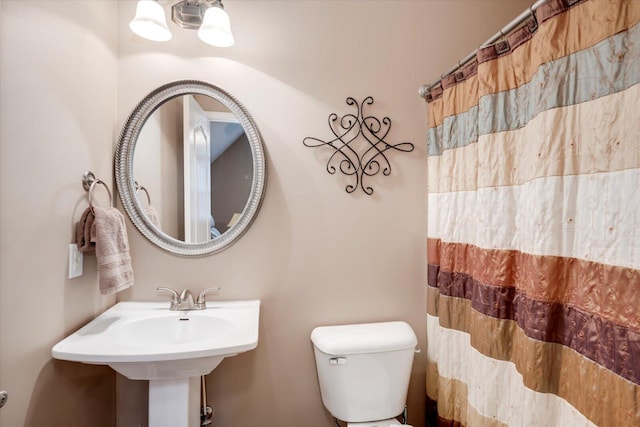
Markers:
point(201, 301)
point(175, 298)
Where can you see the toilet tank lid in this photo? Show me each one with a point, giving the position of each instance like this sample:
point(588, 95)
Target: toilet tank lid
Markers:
point(364, 338)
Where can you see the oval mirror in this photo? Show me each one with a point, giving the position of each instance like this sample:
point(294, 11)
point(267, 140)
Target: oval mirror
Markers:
point(190, 168)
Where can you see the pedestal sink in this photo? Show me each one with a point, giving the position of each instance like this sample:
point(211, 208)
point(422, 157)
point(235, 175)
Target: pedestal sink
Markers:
point(171, 349)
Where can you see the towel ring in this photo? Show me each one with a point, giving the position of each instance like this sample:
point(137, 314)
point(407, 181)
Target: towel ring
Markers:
point(141, 188)
point(93, 184)
point(89, 182)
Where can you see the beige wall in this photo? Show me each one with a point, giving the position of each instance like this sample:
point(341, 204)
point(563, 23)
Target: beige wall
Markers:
point(57, 119)
point(314, 256)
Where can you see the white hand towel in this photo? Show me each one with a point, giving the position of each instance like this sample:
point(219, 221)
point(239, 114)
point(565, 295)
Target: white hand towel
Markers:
point(112, 250)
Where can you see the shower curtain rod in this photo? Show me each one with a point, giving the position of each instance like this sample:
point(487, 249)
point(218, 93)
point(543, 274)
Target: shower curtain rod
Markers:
point(424, 89)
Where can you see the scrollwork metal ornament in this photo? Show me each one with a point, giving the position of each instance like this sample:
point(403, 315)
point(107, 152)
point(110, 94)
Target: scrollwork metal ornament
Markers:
point(359, 145)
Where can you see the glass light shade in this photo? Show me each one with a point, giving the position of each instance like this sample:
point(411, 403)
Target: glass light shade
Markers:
point(150, 21)
point(216, 28)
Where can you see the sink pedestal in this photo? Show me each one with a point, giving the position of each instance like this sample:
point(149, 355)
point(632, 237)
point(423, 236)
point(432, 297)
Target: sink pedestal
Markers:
point(174, 403)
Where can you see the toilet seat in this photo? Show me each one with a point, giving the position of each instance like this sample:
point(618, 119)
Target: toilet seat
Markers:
point(391, 422)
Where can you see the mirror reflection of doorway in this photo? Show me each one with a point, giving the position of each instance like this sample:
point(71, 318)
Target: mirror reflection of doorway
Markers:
point(217, 171)
point(230, 174)
point(197, 172)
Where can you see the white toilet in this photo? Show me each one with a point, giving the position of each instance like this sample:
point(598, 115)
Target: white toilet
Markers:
point(364, 371)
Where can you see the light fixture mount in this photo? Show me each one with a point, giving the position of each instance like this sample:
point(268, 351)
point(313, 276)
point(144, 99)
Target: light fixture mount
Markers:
point(190, 13)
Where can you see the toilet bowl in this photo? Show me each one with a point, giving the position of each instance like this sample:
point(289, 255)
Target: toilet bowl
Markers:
point(364, 371)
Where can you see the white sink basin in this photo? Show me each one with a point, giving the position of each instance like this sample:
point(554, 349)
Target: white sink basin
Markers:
point(147, 341)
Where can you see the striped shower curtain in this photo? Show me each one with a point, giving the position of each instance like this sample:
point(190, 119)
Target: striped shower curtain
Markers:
point(534, 225)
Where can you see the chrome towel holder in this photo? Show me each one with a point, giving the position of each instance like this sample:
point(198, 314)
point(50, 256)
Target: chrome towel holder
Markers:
point(140, 188)
point(89, 181)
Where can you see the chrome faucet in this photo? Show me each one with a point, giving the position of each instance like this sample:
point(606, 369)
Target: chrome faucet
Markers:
point(184, 300)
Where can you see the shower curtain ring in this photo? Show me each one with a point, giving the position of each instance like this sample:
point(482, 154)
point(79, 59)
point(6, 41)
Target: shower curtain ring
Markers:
point(532, 22)
point(459, 75)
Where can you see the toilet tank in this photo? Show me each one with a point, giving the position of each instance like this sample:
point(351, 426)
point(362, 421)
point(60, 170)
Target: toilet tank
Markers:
point(364, 369)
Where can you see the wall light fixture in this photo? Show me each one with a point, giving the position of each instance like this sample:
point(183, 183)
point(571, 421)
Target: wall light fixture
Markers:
point(206, 16)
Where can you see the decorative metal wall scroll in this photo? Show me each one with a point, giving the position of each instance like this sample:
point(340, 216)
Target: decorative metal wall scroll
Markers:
point(359, 145)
